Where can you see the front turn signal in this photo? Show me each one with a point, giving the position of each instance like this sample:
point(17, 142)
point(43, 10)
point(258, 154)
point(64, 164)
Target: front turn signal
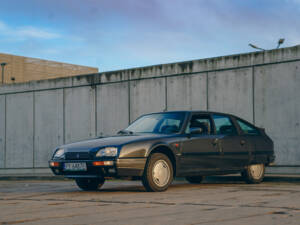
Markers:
point(54, 164)
point(103, 163)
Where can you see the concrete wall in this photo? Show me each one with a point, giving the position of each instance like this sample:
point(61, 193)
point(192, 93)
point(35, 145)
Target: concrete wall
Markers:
point(231, 91)
point(261, 87)
point(147, 96)
point(187, 92)
point(49, 106)
point(80, 113)
point(112, 102)
point(277, 108)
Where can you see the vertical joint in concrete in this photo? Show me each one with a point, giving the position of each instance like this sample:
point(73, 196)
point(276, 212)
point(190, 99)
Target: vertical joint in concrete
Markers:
point(33, 129)
point(253, 94)
point(207, 102)
point(64, 115)
point(96, 118)
point(129, 103)
point(166, 94)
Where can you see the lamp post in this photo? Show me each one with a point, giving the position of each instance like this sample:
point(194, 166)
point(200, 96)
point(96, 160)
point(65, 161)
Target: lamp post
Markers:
point(254, 46)
point(2, 67)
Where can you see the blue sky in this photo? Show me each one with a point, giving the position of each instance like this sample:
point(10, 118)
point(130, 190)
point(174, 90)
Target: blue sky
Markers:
point(120, 34)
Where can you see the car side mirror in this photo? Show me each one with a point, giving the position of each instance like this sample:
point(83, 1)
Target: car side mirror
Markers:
point(196, 130)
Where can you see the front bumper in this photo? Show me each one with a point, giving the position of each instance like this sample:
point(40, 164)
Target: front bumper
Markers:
point(124, 167)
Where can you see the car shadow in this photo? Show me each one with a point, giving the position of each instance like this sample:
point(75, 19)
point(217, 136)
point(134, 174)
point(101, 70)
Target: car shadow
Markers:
point(239, 179)
point(180, 183)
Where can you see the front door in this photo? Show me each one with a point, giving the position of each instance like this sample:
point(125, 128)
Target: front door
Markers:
point(200, 151)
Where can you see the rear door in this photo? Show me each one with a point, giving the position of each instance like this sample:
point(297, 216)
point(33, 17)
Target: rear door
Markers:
point(234, 147)
point(257, 142)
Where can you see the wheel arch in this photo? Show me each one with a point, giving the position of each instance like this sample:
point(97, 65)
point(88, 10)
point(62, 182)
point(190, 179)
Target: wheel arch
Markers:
point(164, 149)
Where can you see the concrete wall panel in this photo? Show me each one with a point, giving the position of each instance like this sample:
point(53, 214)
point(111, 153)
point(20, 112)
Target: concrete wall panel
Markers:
point(19, 130)
point(79, 113)
point(48, 125)
point(2, 130)
point(187, 92)
point(112, 108)
point(230, 91)
point(277, 108)
point(147, 96)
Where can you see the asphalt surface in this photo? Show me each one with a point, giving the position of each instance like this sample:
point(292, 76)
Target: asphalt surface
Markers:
point(219, 200)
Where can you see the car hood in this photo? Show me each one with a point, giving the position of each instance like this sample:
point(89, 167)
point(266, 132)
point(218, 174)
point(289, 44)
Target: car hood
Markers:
point(110, 141)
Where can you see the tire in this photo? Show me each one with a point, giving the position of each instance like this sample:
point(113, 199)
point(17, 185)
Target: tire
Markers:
point(254, 174)
point(90, 184)
point(195, 179)
point(158, 173)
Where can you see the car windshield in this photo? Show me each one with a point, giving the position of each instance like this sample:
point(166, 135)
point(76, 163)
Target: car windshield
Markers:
point(163, 123)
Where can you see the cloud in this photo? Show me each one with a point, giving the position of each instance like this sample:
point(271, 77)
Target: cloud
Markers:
point(2, 26)
point(293, 1)
point(27, 32)
point(33, 32)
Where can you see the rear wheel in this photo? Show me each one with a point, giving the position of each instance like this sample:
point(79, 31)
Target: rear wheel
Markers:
point(195, 179)
point(90, 184)
point(158, 173)
point(254, 174)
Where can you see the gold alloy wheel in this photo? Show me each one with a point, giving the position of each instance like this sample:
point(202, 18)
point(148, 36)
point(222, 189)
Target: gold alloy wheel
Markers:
point(257, 170)
point(161, 173)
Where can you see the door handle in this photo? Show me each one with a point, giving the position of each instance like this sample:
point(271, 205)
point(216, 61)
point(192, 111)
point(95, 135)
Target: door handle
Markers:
point(215, 141)
point(243, 142)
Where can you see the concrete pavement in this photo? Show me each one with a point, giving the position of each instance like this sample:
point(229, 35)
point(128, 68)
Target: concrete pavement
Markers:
point(219, 200)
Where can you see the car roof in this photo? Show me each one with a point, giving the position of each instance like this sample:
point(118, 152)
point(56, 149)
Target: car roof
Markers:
point(193, 111)
point(201, 111)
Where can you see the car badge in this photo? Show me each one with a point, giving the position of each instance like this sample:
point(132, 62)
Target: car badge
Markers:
point(78, 156)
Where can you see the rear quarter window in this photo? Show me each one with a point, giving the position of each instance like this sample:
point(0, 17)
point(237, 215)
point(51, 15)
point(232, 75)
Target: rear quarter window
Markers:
point(247, 128)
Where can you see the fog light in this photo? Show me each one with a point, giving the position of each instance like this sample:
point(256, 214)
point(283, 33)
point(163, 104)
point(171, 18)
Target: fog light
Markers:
point(103, 163)
point(54, 164)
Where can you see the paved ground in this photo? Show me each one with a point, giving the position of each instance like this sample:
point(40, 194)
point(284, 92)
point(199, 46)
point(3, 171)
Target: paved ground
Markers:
point(220, 200)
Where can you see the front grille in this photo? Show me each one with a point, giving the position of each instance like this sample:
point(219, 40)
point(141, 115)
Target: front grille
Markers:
point(78, 155)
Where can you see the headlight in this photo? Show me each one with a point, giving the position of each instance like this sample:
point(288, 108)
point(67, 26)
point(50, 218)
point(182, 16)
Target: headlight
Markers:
point(109, 151)
point(59, 153)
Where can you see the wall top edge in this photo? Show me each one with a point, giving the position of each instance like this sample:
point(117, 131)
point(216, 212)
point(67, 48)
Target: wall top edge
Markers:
point(184, 67)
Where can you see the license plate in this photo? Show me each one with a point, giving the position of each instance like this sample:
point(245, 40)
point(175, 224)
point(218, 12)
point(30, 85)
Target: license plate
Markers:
point(75, 166)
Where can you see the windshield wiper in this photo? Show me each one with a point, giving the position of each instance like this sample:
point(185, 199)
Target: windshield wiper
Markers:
point(125, 132)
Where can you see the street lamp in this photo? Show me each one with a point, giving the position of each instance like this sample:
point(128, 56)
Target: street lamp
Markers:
point(254, 46)
point(2, 67)
point(280, 42)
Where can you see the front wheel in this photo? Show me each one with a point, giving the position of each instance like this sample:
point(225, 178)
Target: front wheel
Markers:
point(158, 173)
point(254, 174)
point(90, 184)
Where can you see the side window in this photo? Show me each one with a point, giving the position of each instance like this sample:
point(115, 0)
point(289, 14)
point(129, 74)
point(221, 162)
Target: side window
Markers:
point(224, 125)
point(247, 128)
point(200, 122)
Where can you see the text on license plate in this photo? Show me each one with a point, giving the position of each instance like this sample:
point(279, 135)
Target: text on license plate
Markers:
point(75, 166)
